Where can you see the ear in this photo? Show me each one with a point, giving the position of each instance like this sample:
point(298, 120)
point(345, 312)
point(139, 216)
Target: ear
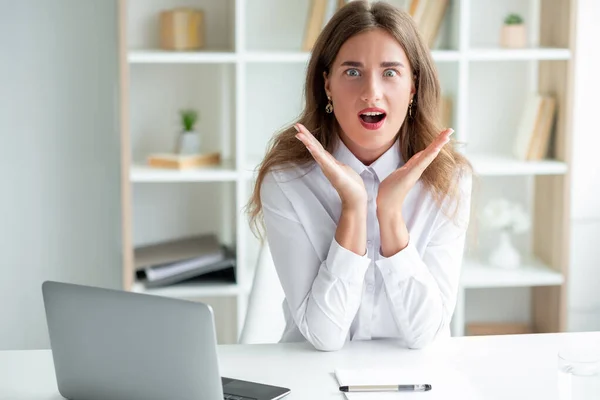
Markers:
point(327, 84)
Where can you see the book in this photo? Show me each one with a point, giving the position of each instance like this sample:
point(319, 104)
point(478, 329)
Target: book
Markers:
point(428, 16)
point(173, 261)
point(314, 23)
point(184, 248)
point(220, 270)
point(541, 139)
point(534, 128)
point(180, 161)
point(446, 111)
point(526, 126)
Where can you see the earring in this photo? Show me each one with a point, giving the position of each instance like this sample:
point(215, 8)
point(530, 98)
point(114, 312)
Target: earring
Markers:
point(329, 106)
point(410, 108)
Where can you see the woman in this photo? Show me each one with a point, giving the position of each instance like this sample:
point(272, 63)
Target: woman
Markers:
point(365, 208)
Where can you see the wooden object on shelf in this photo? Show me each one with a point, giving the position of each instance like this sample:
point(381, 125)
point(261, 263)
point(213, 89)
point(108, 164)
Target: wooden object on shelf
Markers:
point(428, 16)
point(541, 139)
point(497, 328)
point(179, 161)
point(314, 23)
point(552, 204)
point(182, 29)
point(513, 36)
point(446, 111)
point(533, 134)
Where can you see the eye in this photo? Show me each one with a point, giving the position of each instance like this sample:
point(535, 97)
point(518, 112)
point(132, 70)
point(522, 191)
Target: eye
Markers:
point(390, 73)
point(352, 72)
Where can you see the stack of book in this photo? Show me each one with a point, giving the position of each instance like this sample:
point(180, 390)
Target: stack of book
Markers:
point(199, 257)
point(535, 127)
point(427, 14)
point(319, 13)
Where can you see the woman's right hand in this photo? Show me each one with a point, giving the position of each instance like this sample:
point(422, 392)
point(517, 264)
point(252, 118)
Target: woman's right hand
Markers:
point(343, 178)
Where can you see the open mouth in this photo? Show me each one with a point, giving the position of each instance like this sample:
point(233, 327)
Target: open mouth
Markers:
point(372, 119)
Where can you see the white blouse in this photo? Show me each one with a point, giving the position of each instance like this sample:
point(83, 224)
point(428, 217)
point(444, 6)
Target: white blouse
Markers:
point(332, 294)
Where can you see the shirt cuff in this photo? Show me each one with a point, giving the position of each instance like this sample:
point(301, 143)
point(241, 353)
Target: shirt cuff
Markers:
point(345, 264)
point(401, 265)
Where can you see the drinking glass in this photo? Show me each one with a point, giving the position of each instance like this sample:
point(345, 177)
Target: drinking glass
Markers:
point(578, 374)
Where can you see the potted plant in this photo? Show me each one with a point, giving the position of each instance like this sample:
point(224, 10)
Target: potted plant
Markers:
point(513, 34)
point(188, 140)
point(509, 218)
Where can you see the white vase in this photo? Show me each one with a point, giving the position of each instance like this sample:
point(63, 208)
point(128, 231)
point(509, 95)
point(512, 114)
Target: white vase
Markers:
point(189, 143)
point(505, 255)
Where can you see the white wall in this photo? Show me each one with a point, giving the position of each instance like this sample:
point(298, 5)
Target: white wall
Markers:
point(60, 200)
point(584, 296)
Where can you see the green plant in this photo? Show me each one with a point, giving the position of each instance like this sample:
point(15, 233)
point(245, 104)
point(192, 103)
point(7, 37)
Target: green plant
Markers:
point(189, 118)
point(513, 19)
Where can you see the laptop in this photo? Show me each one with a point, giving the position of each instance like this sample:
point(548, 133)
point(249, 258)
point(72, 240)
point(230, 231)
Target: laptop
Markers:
point(113, 345)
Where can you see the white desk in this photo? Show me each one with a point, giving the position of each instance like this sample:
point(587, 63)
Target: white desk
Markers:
point(499, 367)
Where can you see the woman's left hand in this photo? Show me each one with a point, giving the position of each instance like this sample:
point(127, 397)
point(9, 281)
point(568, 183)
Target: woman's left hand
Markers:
point(394, 188)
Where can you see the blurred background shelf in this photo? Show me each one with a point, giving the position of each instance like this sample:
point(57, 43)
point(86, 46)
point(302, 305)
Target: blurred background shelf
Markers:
point(303, 57)
point(248, 83)
point(478, 275)
point(531, 54)
point(223, 173)
point(177, 57)
point(192, 290)
point(276, 56)
point(499, 165)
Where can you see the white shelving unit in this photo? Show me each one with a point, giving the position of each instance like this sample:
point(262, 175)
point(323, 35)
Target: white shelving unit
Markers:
point(187, 290)
point(476, 275)
point(226, 172)
point(248, 84)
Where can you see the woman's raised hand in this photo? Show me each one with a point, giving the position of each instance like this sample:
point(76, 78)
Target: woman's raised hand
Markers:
point(343, 178)
point(394, 188)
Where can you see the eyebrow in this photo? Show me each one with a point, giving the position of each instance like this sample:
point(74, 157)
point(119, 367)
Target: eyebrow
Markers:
point(385, 64)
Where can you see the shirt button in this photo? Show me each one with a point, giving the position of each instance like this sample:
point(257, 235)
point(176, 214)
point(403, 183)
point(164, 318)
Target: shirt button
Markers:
point(370, 287)
point(369, 242)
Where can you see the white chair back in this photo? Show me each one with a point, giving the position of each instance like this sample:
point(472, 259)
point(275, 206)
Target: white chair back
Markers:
point(264, 321)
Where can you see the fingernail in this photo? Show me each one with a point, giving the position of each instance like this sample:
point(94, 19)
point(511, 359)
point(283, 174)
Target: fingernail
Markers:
point(297, 130)
point(451, 131)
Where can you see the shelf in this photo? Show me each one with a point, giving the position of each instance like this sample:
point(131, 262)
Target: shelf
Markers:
point(192, 290)
point(490, 165)
point(180, 57)
point(498, 165)
point(445, 55)
point(276, 56)
point(475, 54)
point(500, 54)
point(224, 173)
point(477, 275)
point(303, 57)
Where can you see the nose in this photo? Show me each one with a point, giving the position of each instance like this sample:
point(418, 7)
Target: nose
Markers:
point(371, 91)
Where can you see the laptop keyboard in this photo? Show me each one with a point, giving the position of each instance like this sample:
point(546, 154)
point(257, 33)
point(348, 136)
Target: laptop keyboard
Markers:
point(234, 397)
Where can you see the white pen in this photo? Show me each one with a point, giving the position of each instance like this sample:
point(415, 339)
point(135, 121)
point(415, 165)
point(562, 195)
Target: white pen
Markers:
point(385, 388)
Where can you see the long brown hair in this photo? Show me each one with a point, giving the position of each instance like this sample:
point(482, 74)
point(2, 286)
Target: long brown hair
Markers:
point(416, 133)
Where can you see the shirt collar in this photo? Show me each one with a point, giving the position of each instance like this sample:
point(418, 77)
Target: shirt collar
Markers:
point(345, 156)
point(387, 163)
